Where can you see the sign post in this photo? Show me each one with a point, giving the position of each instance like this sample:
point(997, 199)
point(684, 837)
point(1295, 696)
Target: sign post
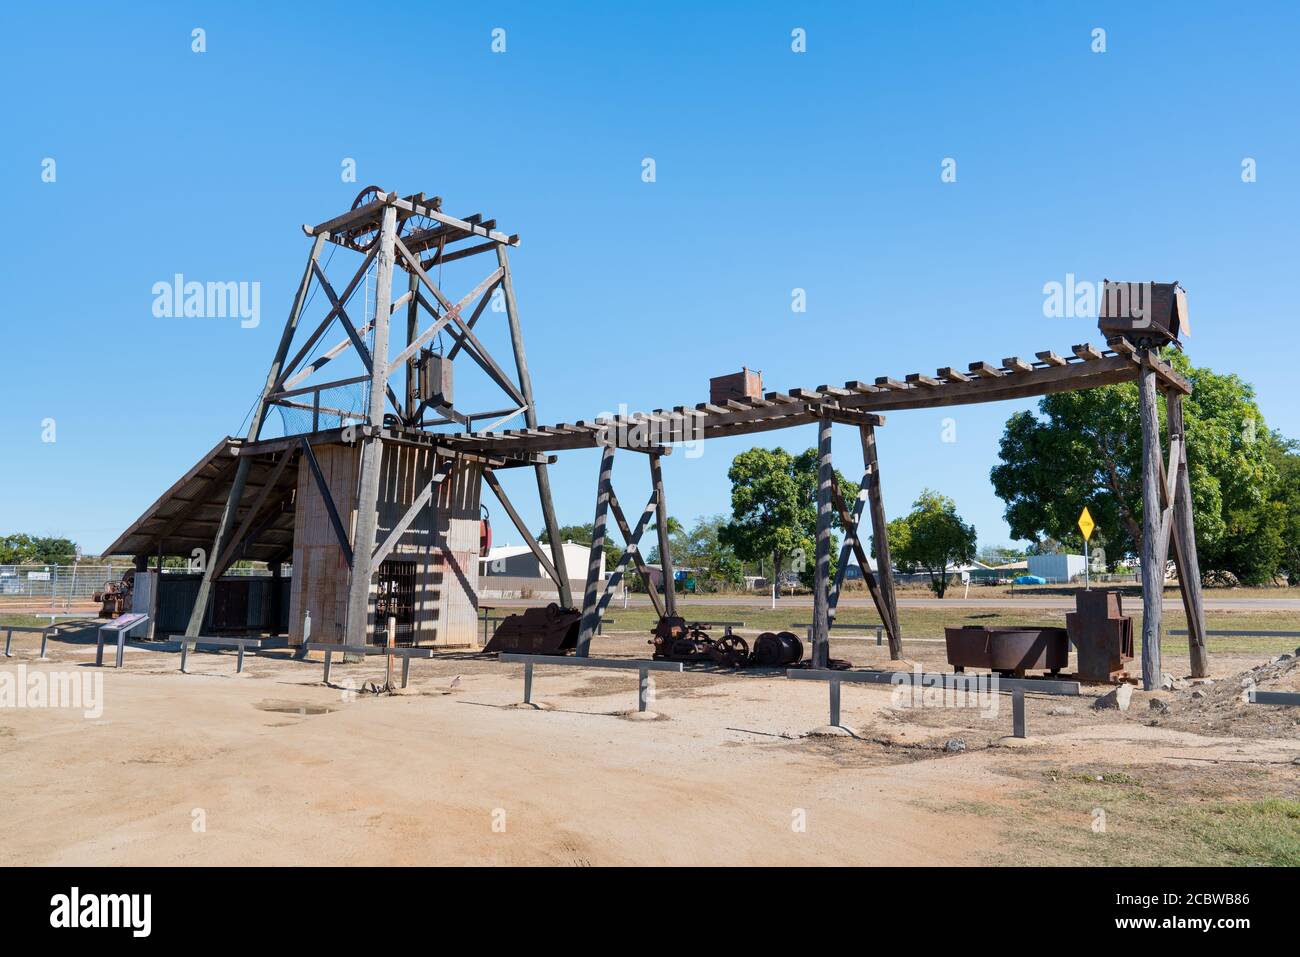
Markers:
point(1086, 525)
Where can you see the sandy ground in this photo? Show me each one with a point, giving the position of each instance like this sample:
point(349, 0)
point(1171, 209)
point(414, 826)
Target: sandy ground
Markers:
point(272, 767)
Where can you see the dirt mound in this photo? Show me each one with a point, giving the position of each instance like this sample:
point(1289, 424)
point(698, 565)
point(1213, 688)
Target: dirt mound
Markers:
point(1221, 707)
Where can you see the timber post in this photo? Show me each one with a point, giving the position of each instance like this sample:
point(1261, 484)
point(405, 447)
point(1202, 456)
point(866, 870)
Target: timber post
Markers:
point(590, 609)
point(1153, 560)
point(1184, 541)
point(820, 654)
point(880, 541)
point(665, 545)
point(372, 448)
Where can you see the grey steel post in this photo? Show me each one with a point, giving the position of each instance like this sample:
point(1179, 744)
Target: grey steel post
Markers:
point(185, 655)
point(239, 665)
point(406, 670)
point(835, 702)
point(643, 689)
point(329, 655)
point(9, 640)
point(99, 648)
point(1018, 712)
point(528, 682)
point(45, 638)
point(121, 646)
point(530, 417)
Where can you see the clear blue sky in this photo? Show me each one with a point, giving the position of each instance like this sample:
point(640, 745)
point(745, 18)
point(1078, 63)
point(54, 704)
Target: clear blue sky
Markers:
point(775, 170)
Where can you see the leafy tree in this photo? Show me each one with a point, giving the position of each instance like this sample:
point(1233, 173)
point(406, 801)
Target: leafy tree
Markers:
point(774, 509)
point(715, 564)
point(23, 549)
point(931, 537)
point(1085, 448)
point(1283, 454)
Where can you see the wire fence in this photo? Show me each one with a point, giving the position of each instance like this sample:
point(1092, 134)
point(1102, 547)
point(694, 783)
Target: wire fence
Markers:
point(58, 586)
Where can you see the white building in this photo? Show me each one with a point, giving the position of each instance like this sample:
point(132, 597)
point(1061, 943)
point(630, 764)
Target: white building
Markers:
point(513, 571)
point(1057, 568)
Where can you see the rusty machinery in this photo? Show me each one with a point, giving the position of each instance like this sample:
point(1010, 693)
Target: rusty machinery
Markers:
point(538, 631)
point(1009, 651)
point(115, 597)
point(674, 639)
point(1102, 635)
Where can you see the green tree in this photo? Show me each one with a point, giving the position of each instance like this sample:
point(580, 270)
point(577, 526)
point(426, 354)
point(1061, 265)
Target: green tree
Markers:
point(20, 548)
point(931, 537)
point(774, 509)
point(583, 534)
point(715, 564)
point(1286, 500)
point(1085, 447)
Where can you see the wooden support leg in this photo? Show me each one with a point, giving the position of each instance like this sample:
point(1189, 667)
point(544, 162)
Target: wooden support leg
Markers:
point(372, 450)
point(822, 570)
point(880, 536)
point(665, 544)
point(219, 543)
point(1184, 542)
point(591, 596)
point(1153, 558)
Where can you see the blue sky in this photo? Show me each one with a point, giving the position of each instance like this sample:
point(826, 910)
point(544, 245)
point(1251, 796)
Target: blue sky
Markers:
point(774, 170)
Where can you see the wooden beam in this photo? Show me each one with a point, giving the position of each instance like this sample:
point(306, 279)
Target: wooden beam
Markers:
point(1153, 557)
point(820, 655)
point(1184, 545)
point(880, 536)
point(590, 609)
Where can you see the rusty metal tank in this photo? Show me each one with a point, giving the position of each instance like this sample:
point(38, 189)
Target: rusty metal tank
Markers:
point(1008, 650)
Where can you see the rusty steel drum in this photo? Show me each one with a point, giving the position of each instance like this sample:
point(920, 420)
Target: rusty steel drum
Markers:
point(1008, 650)
point(774, 649)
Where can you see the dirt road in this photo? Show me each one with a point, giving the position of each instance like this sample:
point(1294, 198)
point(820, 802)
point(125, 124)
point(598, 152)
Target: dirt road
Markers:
point(274, 768)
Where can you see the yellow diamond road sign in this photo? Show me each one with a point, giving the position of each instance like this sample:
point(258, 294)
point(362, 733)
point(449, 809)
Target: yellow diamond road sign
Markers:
point(1086, 524)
